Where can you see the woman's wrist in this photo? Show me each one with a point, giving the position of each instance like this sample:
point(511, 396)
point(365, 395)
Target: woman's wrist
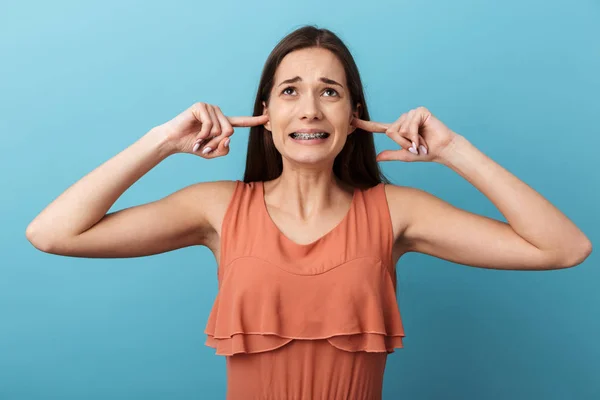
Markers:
point(454, 151)
point(157, 138)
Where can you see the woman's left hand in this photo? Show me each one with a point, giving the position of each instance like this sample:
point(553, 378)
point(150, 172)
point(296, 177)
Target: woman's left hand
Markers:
point(422, 136)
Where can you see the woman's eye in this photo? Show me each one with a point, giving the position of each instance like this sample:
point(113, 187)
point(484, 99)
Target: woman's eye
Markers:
point(284, 91)
point(333, 90)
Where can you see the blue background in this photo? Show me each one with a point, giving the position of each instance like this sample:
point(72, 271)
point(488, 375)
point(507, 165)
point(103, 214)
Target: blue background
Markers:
point(79, 82)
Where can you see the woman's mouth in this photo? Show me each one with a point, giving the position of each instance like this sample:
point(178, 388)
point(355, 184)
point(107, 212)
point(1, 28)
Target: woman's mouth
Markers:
point(309, 138)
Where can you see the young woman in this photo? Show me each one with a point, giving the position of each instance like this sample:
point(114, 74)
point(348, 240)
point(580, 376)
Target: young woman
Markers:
point(307, 243)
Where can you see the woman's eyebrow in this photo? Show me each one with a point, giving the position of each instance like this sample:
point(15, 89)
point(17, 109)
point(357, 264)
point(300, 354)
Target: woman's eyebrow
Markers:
point(322, 79)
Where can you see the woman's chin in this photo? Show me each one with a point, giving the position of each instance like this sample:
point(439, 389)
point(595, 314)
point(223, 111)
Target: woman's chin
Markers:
point(317, 152)
point(311, 157)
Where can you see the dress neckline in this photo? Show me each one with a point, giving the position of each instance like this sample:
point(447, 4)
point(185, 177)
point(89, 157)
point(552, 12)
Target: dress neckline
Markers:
point(337, 227)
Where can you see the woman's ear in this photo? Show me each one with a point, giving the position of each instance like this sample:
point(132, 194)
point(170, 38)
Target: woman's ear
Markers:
point(267, 125)
point(355, 114)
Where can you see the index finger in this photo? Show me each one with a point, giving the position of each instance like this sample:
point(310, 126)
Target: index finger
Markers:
point(370, 126)
point(248, 121)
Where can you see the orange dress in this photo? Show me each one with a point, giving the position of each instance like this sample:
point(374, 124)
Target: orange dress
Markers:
point(305, 321)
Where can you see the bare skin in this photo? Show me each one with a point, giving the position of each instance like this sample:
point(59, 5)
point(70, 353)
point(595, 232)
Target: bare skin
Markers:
point(307, 200)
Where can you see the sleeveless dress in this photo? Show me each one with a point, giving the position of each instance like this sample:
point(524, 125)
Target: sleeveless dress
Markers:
point(305, 321)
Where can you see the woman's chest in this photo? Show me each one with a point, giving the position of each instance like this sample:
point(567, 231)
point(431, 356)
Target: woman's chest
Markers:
point(303, 234)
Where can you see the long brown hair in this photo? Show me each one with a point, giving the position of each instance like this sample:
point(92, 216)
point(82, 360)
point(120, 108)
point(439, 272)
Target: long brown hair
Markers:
point(355, 165)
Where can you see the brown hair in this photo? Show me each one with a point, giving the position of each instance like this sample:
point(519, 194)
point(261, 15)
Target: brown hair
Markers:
point(355, 165)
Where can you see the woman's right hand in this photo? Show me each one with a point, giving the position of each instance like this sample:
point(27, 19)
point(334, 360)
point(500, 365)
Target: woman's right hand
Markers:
point(203, 126)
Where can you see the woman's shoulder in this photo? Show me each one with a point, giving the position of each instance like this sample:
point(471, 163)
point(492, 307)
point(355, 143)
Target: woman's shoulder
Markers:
point(404, 202)
point(401, 195)
point(212, 199)
point(216, 189)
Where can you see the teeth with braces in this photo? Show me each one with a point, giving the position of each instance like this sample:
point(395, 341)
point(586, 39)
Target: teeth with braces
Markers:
point(309, 135)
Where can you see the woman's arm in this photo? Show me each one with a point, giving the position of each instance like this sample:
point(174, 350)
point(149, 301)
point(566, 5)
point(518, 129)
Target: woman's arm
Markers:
point(537, 236)
point(76, 223)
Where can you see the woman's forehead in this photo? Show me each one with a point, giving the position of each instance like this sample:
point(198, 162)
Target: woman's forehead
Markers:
point(310, 65)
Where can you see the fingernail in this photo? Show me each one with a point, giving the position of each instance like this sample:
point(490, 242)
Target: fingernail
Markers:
point(196, 147)
point(226, 144)
point(412, 150)
point(423, 149)
point(206, 150)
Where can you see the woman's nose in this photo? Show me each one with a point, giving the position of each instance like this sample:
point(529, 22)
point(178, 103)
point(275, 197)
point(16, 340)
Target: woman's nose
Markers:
point(310, 107)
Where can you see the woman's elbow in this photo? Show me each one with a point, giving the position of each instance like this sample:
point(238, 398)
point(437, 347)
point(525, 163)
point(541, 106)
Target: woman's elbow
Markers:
point(579, 255)
point(38, 239)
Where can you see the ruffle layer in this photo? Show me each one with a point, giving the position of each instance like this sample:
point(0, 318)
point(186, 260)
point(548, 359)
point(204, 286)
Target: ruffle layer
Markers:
point(261, 307)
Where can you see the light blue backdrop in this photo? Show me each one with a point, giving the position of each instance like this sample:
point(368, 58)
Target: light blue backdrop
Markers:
point(80, 81)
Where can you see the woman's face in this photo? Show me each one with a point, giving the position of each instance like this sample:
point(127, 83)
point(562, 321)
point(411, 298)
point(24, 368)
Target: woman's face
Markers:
point(316, 98)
